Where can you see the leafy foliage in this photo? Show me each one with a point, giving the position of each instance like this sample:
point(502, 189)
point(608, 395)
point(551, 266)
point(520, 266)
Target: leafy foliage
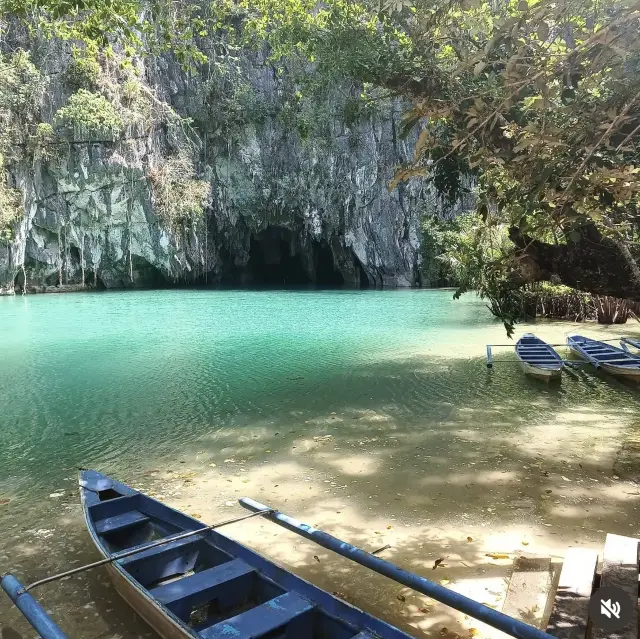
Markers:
point(10, 207)
point(88, 113)
point(21, 89)
point(132, 26)
point(538, 98)
point(83, 72)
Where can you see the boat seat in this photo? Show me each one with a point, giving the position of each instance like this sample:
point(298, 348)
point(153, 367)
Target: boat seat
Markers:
point(289, 610)
point(120, 522)
point(157, 563)
point(201, 587)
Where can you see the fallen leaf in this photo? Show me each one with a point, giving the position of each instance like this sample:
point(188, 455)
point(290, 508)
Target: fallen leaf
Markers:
point(472, 632)
point(4, 502)
point(401, 598)
point(444, 582)
point(469, 538)
point(425, 610)
point(196, 515)
point(436, 563)
point(389, 527)
point(524, 543)
point(497, 555)
point(316, 558)
point(212, 465)
point(443, 631)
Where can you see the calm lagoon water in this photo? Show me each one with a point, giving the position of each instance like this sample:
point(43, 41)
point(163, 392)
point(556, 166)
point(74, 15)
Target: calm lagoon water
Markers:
point(94, 379)
point(133, 383)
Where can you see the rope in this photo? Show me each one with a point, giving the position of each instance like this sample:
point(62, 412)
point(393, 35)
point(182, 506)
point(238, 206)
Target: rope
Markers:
point(129, 553)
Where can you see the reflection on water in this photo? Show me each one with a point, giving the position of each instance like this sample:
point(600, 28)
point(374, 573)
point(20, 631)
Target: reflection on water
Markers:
point(136, 383)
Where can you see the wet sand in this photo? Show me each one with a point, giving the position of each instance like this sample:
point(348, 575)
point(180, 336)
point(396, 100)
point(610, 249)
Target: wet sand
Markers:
point(485, 477)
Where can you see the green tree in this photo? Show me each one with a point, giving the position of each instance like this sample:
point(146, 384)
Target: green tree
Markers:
point(538, 99)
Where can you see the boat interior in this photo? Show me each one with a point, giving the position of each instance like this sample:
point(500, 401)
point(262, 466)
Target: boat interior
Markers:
point(204, 581)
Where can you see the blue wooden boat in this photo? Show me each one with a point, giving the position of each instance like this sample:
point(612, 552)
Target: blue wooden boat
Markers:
point(538, 359)
point(611, 359)
point(207, 585)
point(188, 580)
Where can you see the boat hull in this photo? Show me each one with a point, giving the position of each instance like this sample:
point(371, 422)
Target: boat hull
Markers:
point(145, 607)
point(544, 374)
point(538, 359)
point(632, 374)
point(185, 579)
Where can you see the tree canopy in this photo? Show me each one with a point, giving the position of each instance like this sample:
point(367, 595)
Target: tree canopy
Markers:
point(538, 100)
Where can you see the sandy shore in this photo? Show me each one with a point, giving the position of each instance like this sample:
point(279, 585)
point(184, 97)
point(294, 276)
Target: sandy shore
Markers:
point(364, 479)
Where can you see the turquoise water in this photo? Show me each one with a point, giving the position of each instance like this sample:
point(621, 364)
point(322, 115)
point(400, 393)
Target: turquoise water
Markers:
point(92, 379)
point(135, 383)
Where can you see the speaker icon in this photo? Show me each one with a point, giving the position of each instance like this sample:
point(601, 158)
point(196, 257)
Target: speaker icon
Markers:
point(608, 608)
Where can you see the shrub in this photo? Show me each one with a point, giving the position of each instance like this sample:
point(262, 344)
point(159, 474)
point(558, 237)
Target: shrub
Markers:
point(83, 73)
point(89, 113)
point(179, 198)
point(10, 205)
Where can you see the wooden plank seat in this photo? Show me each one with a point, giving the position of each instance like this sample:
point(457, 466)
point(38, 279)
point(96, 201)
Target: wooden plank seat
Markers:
point(201, 587)
point(289, 610)
point(120, 522)
point(174, 558)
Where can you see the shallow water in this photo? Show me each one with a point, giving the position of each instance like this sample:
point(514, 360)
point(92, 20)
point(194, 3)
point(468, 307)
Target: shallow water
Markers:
point(369, 412)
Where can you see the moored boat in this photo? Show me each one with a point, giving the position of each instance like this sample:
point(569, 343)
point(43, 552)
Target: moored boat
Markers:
point(610, 359)
point(538, 359)
point(206, 585)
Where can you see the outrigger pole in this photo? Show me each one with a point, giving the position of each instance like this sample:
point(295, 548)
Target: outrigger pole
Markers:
point(483, 613)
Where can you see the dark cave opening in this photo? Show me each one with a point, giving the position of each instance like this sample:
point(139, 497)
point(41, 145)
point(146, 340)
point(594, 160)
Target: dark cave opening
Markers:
point(273, 263)
point(363, 279)
point(326, 272)
point(278, 259)
point(146, 275)
point(18, 282)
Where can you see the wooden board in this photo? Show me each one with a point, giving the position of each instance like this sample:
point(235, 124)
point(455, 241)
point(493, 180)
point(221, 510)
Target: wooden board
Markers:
point(620, 569)
point(528, 589)
point(570, 608)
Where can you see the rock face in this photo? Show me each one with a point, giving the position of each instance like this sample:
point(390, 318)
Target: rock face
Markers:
point(285, 208)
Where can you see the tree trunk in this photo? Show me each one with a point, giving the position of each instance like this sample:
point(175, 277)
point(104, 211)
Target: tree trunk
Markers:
point(593, 264)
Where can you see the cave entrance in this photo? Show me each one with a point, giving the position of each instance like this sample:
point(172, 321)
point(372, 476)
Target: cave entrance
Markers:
point(363, 279)
point(326, 272)
point(278, 258)
point(273, 262)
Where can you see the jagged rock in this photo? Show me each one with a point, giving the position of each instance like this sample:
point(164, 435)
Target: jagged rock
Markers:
point(284, 209)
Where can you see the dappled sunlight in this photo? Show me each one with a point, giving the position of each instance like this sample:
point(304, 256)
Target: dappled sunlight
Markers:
point(483, 477)
point(352, 464)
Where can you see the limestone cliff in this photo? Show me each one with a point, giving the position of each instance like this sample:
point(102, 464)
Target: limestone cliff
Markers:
point(295, 196)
